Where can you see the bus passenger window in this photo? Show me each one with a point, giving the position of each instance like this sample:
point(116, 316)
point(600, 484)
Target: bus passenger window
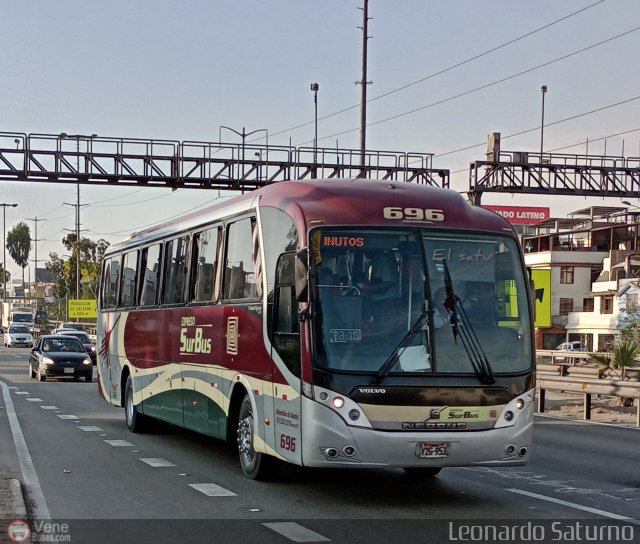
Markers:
point(175, 271)
point(149, 275)
point(110, 280)
point(204, 265)
point(129, 272)
point(239, 272)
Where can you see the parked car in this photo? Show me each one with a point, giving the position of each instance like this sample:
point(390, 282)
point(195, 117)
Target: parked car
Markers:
point(572, 346)
point(89, 346)
point(59, 355)
point(17, 335)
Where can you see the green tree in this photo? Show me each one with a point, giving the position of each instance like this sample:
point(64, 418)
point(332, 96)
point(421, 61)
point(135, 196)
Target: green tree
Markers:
point(19, 245)
point(86, 256)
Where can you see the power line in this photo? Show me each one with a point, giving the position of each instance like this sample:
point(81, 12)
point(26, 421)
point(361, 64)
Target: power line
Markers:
point(445, 70)
point(487, 85)
point(467, 148)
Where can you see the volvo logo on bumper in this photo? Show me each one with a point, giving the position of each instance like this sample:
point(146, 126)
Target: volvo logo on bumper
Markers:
point(372, 390)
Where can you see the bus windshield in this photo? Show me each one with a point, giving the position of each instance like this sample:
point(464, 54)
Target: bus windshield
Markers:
point(416, 301)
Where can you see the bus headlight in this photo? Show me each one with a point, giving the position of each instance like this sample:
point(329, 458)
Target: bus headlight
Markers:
point(338, 402)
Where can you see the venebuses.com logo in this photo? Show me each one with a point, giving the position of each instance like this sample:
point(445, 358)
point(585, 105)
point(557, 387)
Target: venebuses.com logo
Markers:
point(18, 530)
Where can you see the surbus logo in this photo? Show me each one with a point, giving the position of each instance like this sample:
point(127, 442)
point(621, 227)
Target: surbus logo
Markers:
point(192, 339)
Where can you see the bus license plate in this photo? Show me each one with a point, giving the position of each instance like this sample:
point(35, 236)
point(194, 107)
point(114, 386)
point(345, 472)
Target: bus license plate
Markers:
point(432, 450)
point(68, 370)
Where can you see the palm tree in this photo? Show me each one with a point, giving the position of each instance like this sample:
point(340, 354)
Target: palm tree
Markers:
point(623, 352)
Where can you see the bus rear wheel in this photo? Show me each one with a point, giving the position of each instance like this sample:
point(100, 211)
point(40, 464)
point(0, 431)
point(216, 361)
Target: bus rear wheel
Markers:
point(256, 466)
point(136, 422)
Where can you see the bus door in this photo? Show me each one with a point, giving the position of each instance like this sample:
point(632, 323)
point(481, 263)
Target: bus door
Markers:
point(285, 346)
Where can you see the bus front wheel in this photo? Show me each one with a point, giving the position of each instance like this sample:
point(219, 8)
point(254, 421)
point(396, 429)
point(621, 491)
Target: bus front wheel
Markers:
point(256, 466)
point(137, 423)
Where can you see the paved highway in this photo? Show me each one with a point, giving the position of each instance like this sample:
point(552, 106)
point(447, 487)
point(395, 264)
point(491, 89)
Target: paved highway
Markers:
point(84, 467)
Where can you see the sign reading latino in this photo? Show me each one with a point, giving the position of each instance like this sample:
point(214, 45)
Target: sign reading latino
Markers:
point(521, 215)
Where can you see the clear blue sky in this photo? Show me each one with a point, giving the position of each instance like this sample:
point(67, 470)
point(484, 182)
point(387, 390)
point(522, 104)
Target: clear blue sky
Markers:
point(179, 69)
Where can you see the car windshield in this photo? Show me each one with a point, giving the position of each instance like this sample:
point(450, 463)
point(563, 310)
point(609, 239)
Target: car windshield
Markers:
point(22, 318)
point(62, 344)
point(18, 330)
point(392, 301)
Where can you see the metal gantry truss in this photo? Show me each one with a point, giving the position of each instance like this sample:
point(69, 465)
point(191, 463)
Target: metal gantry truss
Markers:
point(95, 160)
point(555, 174)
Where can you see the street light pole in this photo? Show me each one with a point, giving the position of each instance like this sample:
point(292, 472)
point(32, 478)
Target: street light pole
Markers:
point(35, 245)
point(544, 91)
point(243, 135)
point(4, 246)
point(315, 88)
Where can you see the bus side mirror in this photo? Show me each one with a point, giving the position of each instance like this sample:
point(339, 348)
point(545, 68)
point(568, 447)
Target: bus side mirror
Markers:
point(302, 275)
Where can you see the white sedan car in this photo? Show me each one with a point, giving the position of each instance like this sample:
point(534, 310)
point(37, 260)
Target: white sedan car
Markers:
point(18, 335)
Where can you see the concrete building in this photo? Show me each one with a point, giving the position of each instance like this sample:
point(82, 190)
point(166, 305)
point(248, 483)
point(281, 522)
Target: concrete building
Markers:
point(594, 264)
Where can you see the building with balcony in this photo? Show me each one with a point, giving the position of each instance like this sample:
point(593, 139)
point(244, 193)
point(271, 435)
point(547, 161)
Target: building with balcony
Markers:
point(593, 262)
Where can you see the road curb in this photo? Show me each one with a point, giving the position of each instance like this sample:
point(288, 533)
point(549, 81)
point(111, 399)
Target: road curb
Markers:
point(17, 496)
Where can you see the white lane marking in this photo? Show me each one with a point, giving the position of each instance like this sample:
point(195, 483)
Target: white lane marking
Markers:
point(90, 428)
point(67, 416)
point(213, 490)
point(597, 511)
point(12, 387)
point(157, 462)
point(118, 443)
point(34, 399)
point(295, 532)
point(49, 407)
point(29, 476)
point(22, 393)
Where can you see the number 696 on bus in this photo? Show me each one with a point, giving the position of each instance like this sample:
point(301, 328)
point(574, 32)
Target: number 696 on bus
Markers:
point(416, 214)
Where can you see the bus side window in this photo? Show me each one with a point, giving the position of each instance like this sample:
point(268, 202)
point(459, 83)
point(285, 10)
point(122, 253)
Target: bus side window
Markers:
point(239, 274)
point(128, 281)
point(149, 275)
point(110, 282)
point(204, 263)
point(175, 271)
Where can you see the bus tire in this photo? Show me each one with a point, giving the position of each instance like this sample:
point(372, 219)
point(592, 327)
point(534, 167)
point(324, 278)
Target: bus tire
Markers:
point(422, 472)
point(257, 466)
point(136, 422)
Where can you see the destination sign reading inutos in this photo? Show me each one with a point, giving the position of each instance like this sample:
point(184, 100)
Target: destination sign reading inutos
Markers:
point(521, 215)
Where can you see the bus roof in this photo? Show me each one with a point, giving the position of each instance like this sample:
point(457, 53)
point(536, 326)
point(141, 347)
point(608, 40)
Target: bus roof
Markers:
point(339, 202)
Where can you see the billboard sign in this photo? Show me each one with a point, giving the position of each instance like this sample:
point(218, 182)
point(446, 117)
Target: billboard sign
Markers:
point(85, 308)
point(521, 215)
point(542, 284)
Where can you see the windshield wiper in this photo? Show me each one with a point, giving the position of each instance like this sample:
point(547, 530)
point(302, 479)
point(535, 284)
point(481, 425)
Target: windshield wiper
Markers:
point(402, 345)
point(467, 334)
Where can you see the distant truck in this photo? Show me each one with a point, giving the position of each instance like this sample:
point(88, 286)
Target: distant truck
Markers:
point(17, 315)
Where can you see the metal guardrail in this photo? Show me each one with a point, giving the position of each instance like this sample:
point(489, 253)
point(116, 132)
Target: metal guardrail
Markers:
point(585, 380)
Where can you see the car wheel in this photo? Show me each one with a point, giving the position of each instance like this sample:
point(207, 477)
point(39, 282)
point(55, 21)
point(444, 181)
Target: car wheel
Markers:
point(137, 422)
point(422, 472)
point(88, 377)
point(256, 466)
point(41, 375)
point(32, 373)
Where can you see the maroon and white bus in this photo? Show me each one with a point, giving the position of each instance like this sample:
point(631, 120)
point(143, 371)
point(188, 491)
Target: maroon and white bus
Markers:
point(327, 323)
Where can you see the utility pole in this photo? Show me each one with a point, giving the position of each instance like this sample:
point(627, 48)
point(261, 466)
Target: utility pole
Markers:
point(544, 91)
point(35, 247)
point(363, 82)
